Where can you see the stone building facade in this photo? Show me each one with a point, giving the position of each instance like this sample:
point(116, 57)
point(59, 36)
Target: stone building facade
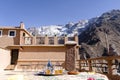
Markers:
point(25, 48)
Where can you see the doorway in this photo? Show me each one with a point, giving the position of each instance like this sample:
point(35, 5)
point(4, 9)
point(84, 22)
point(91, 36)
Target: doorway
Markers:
point(14, 56)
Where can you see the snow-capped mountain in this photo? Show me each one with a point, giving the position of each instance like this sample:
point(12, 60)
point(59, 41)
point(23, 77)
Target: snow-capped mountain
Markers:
point(69, 29)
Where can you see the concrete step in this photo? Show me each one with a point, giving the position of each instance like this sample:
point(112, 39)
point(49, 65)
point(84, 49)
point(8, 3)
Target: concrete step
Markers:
point(10, 67)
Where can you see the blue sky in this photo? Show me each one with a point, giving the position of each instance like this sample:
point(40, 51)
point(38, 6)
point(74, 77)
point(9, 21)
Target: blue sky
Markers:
point(52, 12)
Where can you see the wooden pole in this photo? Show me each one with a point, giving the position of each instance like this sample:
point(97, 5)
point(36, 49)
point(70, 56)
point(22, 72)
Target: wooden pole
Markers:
point(109, 67)
point(79, 65)
point(89, 64)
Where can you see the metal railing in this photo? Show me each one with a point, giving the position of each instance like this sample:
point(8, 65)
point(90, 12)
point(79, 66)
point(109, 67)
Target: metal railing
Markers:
point(40, 40)
point(46, 40)
point(27, 40)
point(51, 40)
point(61, 40)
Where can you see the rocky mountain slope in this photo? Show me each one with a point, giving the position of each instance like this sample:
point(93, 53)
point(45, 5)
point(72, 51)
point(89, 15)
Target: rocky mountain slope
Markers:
point(101, 36)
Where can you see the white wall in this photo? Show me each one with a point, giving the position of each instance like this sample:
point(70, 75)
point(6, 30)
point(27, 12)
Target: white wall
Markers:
point(4, 58)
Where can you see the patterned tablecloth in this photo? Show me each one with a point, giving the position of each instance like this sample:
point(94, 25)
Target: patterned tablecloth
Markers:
point(80, 76)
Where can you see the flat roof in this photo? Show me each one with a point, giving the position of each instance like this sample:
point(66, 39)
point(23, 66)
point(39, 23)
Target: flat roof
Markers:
point(19, 46)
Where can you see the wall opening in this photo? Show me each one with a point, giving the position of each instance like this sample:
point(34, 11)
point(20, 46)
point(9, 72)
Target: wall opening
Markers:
point(14, 56)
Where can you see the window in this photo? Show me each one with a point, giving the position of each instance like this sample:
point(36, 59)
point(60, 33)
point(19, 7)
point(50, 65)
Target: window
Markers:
point(24, 34)
point(0, 33)
point(12, 33)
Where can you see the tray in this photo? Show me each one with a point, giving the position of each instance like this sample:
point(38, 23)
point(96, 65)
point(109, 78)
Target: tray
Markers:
point(41, 74)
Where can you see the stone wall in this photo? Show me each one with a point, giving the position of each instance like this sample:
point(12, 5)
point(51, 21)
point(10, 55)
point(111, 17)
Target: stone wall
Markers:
point(42, 53)
point(4, 58)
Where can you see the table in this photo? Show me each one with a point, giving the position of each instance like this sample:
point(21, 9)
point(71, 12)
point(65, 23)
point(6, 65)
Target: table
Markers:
point(80, 76)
